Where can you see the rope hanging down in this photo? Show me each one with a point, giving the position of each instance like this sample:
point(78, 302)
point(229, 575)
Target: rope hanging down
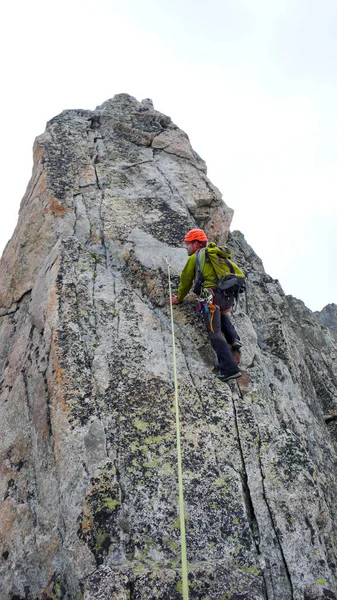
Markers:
point(180, 471)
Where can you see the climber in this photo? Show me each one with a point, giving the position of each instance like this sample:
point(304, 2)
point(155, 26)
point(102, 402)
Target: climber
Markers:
point(214, 305)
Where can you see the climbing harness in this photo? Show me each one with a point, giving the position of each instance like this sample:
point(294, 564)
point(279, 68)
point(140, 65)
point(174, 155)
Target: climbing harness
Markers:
point(179, 460)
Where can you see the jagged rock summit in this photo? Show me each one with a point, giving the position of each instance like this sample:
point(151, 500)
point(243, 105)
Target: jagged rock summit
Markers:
point(328, 316)
point(88, 478)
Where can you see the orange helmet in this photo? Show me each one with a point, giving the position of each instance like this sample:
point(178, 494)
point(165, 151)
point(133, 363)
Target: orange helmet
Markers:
point(196, 235)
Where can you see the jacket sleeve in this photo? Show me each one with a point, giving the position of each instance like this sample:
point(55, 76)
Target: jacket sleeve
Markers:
point(186, 278)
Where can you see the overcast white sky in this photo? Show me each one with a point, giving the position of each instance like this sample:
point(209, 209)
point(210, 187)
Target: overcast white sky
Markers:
point(252, 82)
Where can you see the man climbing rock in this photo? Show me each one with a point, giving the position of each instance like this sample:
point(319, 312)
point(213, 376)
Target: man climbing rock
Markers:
point(214, 303)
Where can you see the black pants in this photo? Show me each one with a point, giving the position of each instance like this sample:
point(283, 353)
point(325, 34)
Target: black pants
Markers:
point(226, 361)
point(228, 330)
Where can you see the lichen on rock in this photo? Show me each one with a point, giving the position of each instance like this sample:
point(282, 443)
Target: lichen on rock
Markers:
point(88, 475)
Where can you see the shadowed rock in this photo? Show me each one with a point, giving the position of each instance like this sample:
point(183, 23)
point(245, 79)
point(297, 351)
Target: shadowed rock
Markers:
point(88, 459)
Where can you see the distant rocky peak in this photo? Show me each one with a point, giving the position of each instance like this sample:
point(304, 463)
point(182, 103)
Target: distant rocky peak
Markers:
point(328, 316)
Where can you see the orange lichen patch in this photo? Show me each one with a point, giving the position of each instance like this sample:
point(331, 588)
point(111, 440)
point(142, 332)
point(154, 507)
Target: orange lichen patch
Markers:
point(56, 207)
point(53, 300)
point(144, 139)
point(37, 152)
point(19, 450)
point(87, 523)
point(7, 473)
point(126, 255)
point(94, 235)
point(87, 177)
point(244, 383)
point(7, 518)
point(41, 183)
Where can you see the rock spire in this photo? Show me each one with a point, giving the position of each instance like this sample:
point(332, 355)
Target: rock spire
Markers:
point(88, 461)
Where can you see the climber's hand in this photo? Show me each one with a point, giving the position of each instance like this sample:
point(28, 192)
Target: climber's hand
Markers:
point(174, 300)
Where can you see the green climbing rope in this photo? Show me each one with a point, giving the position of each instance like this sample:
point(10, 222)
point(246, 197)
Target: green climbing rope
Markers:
point(180, 471)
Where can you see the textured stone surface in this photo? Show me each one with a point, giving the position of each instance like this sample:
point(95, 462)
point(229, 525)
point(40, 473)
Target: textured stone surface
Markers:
point(88, 478)
point(328, 316)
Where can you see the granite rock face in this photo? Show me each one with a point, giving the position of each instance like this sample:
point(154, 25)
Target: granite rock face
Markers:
point(88, 477)
point(328, 316)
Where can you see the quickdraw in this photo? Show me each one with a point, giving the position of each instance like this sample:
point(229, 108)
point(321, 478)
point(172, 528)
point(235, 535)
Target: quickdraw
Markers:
point(206, 305)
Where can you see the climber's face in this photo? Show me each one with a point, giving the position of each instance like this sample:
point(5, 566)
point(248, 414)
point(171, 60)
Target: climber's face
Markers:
point(190, 248)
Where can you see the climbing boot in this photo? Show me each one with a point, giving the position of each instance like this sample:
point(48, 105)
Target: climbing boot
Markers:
point(236, 345)
point(228, 376)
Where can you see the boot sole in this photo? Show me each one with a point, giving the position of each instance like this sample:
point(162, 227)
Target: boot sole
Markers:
point(229, 377)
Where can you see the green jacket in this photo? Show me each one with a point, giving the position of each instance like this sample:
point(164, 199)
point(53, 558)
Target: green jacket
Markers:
point(188, 275)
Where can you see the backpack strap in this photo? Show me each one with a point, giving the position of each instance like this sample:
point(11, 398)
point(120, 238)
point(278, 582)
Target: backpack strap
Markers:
point(197, 262)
